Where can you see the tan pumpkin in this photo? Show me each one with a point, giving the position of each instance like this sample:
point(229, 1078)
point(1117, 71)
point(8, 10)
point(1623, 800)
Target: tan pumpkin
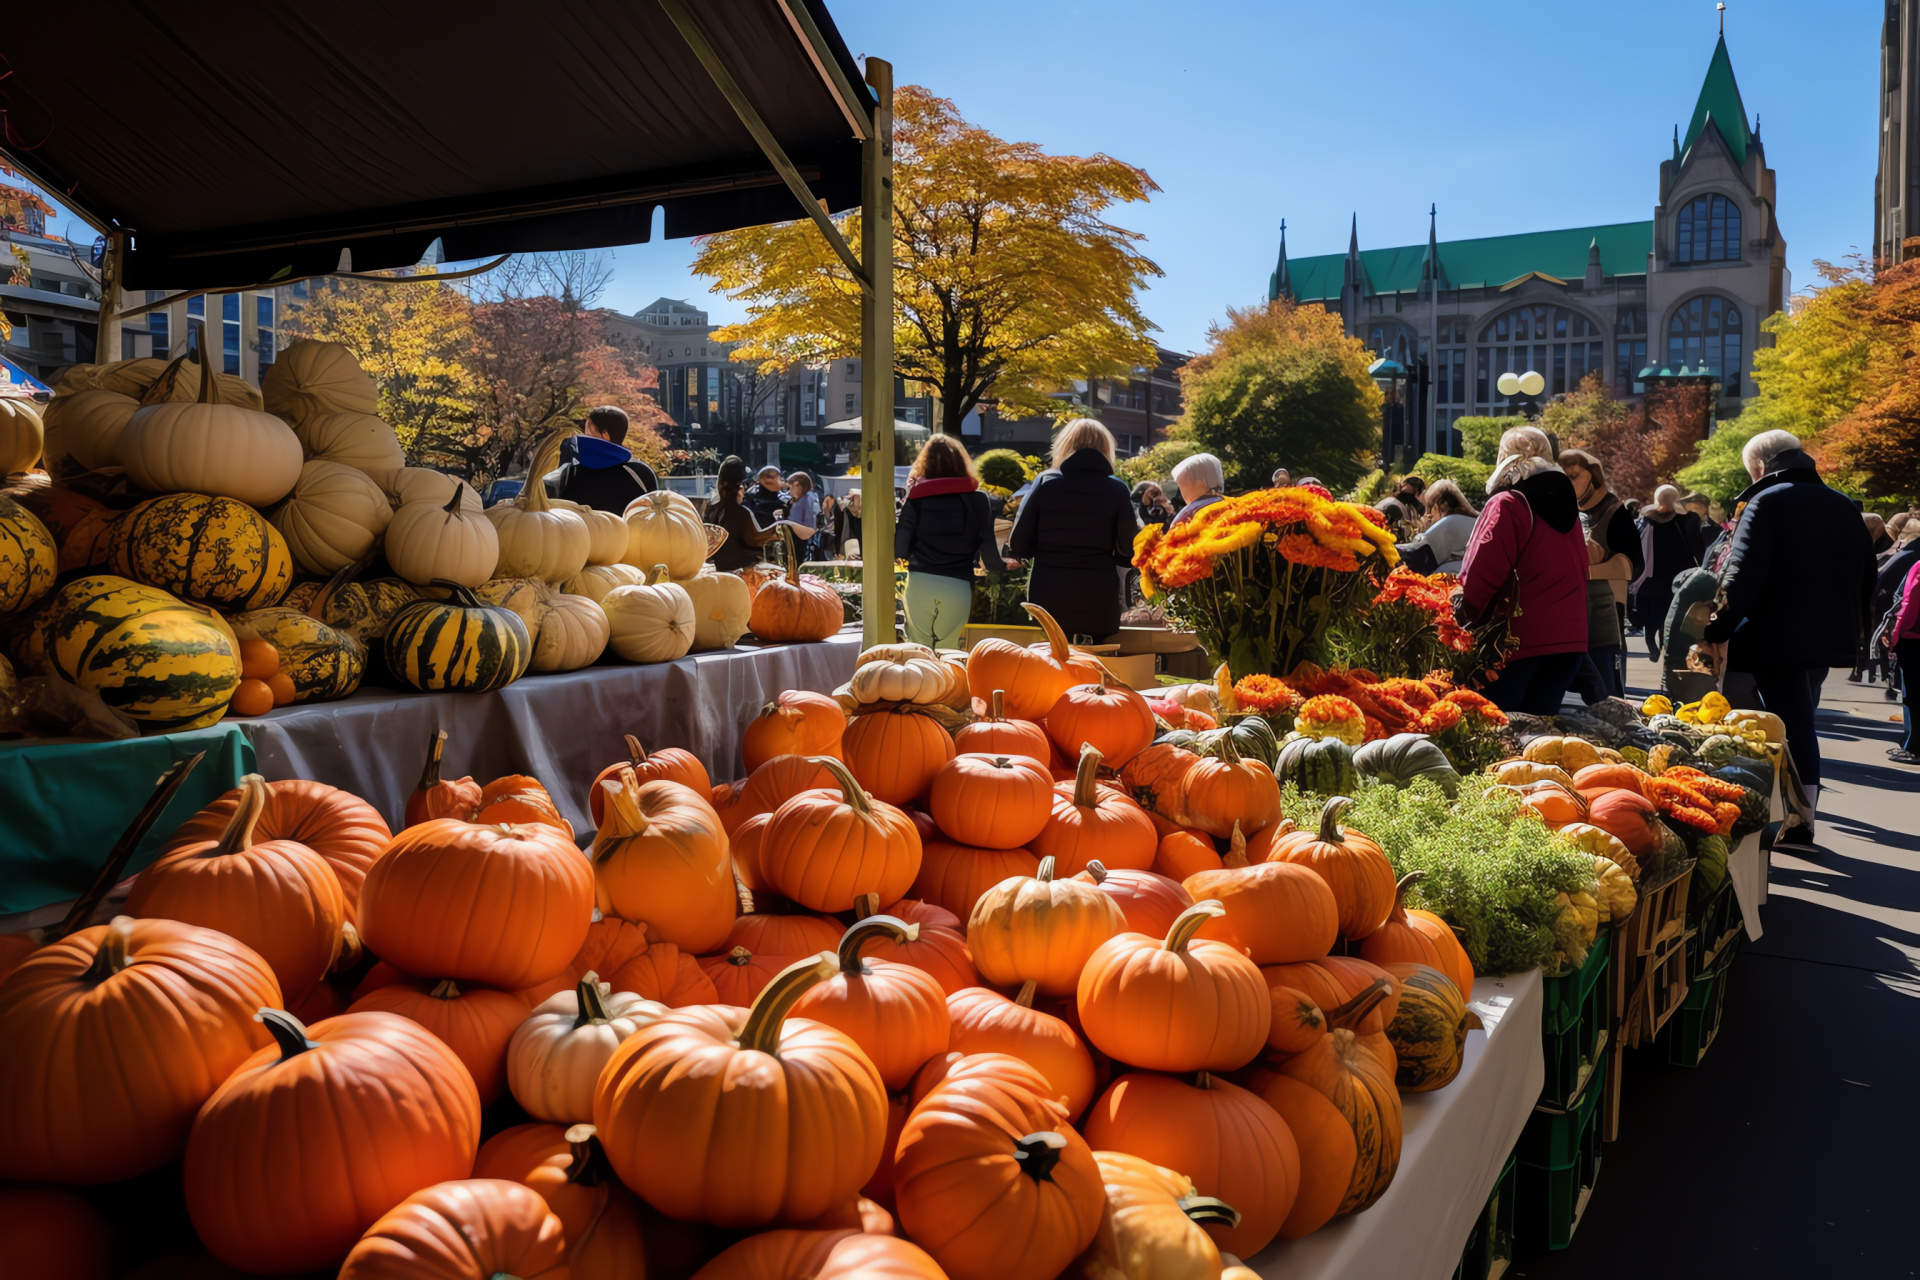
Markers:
point(85, 426)
point(664, 528)
point(596, 580)
point(606, 532)
point(1519, 773)
point(358, 440)
point(650, 624)
point(721, 605)
point(423, 484)
point(207, 446)
point(334, 516)
point(925, 681)
point(554, 1058)
point(1601, 844)
point(1571, 754)
point(527, 597)
point(314, 377)
point(1617, 895)
point(448, 542)
point(573, 634)
point(538, 539)
point(179, 381)
point(22, 435)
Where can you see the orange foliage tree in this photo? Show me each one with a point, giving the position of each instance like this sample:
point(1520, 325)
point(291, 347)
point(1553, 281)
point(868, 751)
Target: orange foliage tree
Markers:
point(1875, 446)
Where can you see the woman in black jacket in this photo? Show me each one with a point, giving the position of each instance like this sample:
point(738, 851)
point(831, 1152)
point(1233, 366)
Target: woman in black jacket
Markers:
point(1077, 527)
point(1670, 542)
point(943, 527)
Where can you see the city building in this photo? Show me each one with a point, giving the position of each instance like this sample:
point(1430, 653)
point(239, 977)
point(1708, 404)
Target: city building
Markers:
point(1896, 184)
point(1138, 409)
point(1682, 294)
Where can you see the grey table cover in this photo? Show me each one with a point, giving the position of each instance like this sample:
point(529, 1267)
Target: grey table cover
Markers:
point(561, 729)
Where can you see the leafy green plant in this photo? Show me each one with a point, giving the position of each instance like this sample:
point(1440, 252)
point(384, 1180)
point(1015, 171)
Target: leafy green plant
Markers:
point(1000, 468)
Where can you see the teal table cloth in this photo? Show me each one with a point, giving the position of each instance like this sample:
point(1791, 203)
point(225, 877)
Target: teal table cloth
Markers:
point(63, 804)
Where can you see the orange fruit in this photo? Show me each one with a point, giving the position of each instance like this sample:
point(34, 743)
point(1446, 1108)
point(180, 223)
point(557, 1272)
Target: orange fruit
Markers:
point(252, 698)
point(282, 685)
point(258, 660)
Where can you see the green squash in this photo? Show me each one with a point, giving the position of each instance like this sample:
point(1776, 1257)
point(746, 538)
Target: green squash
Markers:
point(1185, 739)
point(1429, 1028)
point(1709, 868)
point(1398, 760)
point(462, 643)
point(1253, 739)
point(1719, 749)
point(1320, 765)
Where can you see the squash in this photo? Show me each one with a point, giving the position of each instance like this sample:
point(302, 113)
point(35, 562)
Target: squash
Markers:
point(1519, 773)
point(423, 484)
point(1031, 679)
point(314, 377)
point(1418, 937)
point(651, 623)
point(1631, 818)
point(1112, 719)
point(1040, 930)
point(363, 610)
point(721, 605)
point(573, 634)
point(555, 1056)
point(28, 558)
point(1153, 1225)
point(322, 661)
point(1179, 1004)
point(920, 680)
point(527, 597)
point(1570, 753)
point(1596, 778)
point(470, 1227)
point(358, 440)
point(1226, 793)
point(1601, 844)
point(209, 446)
point(665, 528)
point(1398, 760)
point(462, 644)
point(446, 542)
point(798, 608)
point(22, 435)
point(1429, 1028)
point(1323, 766)
point(334, 517)
point(1768, 723)
point(85, 426)
point(164, 664)
point(1361, 1086)
point(596, 580)
point(1354, 867)
point(537, 539)
point(1617, 894)
point(1252, 737)
point(1327, 1148)
point(209, 550)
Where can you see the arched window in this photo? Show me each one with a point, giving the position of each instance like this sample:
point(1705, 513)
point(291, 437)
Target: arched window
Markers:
point(1393, 340)
point(1709, 231)
point(1708, 331)
point(1562, 345)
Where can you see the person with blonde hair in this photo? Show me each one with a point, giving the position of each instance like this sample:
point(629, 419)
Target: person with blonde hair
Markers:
point(1670, 544)
point(1527, 560)
point(943, 529)
point(1202, 481)
point(1076, 528)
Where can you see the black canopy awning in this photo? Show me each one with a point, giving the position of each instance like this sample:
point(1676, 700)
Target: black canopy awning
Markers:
point(240, 143)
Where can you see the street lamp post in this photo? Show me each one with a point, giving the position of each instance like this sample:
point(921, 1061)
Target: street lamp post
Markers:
point(1526, 387)
point(1390, 376)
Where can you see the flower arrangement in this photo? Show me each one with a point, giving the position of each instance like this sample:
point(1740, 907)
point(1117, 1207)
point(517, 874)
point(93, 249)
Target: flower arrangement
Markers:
point(1266, 695)
point(1263, 578)
point(1328, 715)
point(1410, 627)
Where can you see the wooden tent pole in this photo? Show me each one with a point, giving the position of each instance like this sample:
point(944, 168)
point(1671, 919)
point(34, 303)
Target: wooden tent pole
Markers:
point(877, 583)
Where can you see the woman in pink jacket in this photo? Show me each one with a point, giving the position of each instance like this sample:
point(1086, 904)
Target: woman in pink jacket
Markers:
point(1530, 526)
point(1903, 642)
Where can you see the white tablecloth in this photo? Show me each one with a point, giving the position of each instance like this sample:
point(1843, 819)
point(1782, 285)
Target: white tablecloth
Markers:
point(1747, 868)
point(1454, 1143)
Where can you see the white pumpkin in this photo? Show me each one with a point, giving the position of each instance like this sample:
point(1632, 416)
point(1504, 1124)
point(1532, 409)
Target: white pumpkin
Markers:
point(649, 624)
point(722, 606)
point(538, 539)
point(86, 425)
point(359, 440)
point(446, 542)
point(333, 517)
point(22, 437)
point(573, 633)
point(606, 532)
point(312, 377)
point(209, 447)
point(664, 528)
point(423, 484)
point(554, 1059)
point(179, 381)
point(916, 680)
point(596, 580)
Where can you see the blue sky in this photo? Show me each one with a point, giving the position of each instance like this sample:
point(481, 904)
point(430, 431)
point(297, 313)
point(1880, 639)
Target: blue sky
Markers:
point(1509, 116)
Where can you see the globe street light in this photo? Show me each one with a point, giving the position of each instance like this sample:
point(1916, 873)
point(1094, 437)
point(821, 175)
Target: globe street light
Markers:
point(1524, 386)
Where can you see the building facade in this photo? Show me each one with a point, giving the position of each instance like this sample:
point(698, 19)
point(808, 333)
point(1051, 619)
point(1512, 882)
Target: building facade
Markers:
point(1138, 409)
point(1896, 183)
point(1686, 290)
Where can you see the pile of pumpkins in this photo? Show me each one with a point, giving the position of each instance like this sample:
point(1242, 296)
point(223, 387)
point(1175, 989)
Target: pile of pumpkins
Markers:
point(1007, 1026)
point(257, 509)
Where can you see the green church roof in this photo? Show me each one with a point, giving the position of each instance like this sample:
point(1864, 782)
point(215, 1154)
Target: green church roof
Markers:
point(1720, 98)
point(1489, 260)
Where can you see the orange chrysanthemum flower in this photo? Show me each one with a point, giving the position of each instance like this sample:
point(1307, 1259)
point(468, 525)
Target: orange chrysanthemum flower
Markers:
point(1329, 715)
point(1265, 693)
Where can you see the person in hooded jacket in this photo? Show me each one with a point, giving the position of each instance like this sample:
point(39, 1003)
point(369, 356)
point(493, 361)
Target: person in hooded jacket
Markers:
point(943, 528)
point(1077, 527)
point(596, 470)
point(1530, 527)
point(1670, 543)
point(1797, 585)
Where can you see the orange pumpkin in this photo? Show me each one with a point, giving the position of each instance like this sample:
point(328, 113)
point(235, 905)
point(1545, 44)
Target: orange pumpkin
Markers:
point(895, 753)
point(993, 1181)
point(1277, 912)
point(475, 1022)
point(1297, 1023)
point(1040, 930)
point(796, 935)
point(1093, 821)
point(1343, 987)
point(1557, 803)
point(767, 788)
point(1418, 937)
point(1361, 1087)
point(1148, 900)
point(940, 950)
point(825, 848)
point(1175, 1004)
point(473, 1229)
point(1110, 718)
point(525, 895)
point(1157, 781)
point(569, 1170)
point(1226, 790)
point(671, 764)
point(999, 735)
point(1182, 853)
point(955, 875)
point(1630, 818)
point(1230, 1142)
point(797, 608)
point(991, 802)
point(1596, 778)
point(436, 797)
point(833, 1254)
point(798, 722)
point(894, 1012)
point(177, 999)
point(54, 1235)
point(277, 896)
point(880, 1186)
point(1353, 866)
point(689, 1105)
point(985, 1022)
point(667, 974)
point(740, 975)
point(619, 952)
point(377, 1107)
point(339, 826)
point(1030, 680)
point(518, 799)
point(1327, 1147)
point(661, 858)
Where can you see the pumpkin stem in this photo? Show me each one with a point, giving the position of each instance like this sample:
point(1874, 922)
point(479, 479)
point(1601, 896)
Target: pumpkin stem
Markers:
point(533, 494)
point(1038, 1153)
point(776, 1001)
point(445, 989)
point(239, 831)
point(460, 595)
point(739, 957)
point(1097, 870)
point(430, 776)
point(871, 929)
point(660, 577)
point(856, 799)
point(1045, 873)
point(1350, 1013)
point(589, 1167)
point(288, 1032)
point(1056, 638)
point(207, 395)
point(1085, 775)
point(1330, 832)
point(867, 904)
point(453, 503)
point(997, 705)
point(111, 957)
point(161, 388)
point(1236, 847)
point(350, 950)
point(593, 1010)
point(793, 556)
point(1191, 921)
point(743, 896)
point(1203, 1079)
point(636, 753)
point(1407, 882)
point(1025, 998)
point(1209, 1211)
point(1228, 751)
point(624, 819)
point(317, 607)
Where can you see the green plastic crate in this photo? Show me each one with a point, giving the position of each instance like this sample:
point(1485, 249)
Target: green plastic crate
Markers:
point(1690, 1034)
point(1568, 993)
point(1490, 1247)
point(1572, 1051)
point(1713, 926)
point(1559, 1163)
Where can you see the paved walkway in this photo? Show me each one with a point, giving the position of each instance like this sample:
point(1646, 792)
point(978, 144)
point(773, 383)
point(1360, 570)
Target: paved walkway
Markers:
point(1793, 1149)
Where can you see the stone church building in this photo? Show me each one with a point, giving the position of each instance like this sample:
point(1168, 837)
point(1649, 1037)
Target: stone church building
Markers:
point(1677, 298)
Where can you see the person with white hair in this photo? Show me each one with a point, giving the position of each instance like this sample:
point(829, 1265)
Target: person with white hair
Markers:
point(1797, 585)
point(1670, 544)
point(1076, 528)
point(1202, 482)
point(1529, 539)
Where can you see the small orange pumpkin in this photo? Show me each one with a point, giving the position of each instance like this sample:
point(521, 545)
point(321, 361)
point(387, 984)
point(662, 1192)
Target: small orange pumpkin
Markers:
point(436, 797)
point(1030, 680)
point(1092, 821)
point(896, 1013)
point(895, 753)
point(1175, 1004)
point(475, 1022)
point(798, 722)
point(1277, 912)
point(1418, 937)
point(1150, 901)
point(671, 764)
point(660, 858)
point(825, 848)
point(982, 1021)
point(955, 875)
point(1040, 930)
point(1226, 791)
point(991, 802)
point(999, 735)
point(1354, 867)
point(1112, 719)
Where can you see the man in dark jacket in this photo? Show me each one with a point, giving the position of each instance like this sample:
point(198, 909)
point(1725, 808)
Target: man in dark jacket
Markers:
point(596, 470)
point(1077, 528)
point(1797, 584)
point(767, 499)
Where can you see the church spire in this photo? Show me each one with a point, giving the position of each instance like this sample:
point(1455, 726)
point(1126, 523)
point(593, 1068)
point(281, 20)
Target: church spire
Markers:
point(1433, 275)
point(1280, 284)
point(1720, 101)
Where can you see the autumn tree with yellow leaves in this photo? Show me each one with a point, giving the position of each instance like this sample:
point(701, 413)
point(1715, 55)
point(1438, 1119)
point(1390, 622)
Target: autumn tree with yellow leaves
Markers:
point(1009, 282)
